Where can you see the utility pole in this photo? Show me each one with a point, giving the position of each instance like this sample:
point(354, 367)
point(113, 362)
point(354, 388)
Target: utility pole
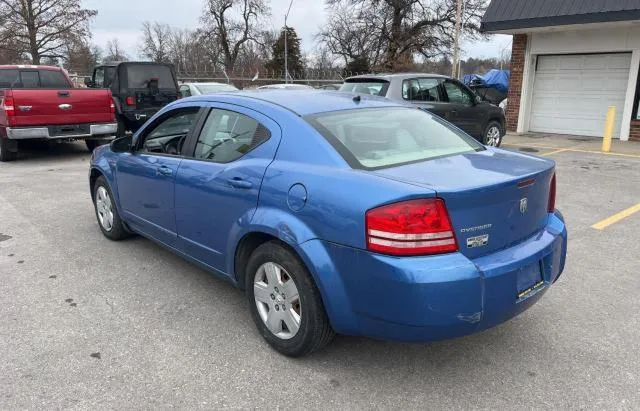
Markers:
point(286, 62)
point(456, 41)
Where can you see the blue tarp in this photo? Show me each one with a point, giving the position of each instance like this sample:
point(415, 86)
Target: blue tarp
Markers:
point(498, 79)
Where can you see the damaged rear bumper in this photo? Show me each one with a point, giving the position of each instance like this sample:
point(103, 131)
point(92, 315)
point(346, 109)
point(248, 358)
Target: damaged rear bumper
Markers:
point(434, 297)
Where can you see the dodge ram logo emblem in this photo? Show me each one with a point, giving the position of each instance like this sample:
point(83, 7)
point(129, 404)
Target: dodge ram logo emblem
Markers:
point(523, 205)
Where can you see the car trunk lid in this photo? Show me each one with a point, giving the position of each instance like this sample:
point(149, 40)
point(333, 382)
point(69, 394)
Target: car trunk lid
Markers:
point(495, 198)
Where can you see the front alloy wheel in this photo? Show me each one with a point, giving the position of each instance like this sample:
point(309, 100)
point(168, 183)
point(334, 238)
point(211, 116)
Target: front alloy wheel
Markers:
point(104, 207)
point(107, 212)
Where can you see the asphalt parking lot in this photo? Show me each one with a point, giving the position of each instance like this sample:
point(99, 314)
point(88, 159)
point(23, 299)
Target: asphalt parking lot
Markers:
point(85, 322)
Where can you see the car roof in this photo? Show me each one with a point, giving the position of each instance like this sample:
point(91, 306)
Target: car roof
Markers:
point(305, 102)
point(29, 66)
point(402, 76)
point(118, 63)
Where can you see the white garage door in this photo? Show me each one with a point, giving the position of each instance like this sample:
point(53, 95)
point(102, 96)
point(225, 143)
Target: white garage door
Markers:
point(571, 93)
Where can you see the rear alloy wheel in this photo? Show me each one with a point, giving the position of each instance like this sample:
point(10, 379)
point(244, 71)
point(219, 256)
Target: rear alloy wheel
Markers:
point(284, 301)
point(5, 153)
point(493, 135)
point(106, 212)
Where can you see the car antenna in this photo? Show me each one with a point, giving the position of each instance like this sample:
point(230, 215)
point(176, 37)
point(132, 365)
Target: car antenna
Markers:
point(357, 99)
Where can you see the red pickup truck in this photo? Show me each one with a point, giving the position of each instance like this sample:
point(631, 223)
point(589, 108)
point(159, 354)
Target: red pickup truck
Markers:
point(40, 102)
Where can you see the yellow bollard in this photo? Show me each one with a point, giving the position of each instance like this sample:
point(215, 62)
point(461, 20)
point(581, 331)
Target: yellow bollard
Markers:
point(608, 129)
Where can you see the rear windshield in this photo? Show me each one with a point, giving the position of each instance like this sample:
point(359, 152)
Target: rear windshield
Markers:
point(378, 138)
point(33, 79)
point(372, 87)
point(139, 76)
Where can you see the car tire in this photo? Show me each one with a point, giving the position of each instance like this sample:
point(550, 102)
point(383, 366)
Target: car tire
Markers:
point(273, 271)
point(106, 211)
point(5, 153)
point(493, 134)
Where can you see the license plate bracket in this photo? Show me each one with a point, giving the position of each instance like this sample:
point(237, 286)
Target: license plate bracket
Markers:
point(529, 281)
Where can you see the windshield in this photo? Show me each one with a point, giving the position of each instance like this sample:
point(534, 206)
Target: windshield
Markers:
point(214, 88)
point(372, 87)
point(377, 138)
point(138, 76)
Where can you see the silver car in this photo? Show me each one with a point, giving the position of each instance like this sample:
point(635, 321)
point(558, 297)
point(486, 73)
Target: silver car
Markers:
point(197, 89)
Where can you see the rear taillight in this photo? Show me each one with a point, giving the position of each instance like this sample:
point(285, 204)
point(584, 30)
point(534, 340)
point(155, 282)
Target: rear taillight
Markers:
point(113, 108)
point(131, 101)
point(552, 194)
point(415, 227)
point(9, 108)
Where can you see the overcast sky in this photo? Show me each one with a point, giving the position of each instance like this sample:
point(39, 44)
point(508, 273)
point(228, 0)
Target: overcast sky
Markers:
point(123, 18)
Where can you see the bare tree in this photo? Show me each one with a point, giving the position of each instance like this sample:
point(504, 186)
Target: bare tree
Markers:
point(353, 33)
point(402, 29)
point(190, 53)
point(82, 56)
point(42, 28)
point(114, 51)
point(230, 24)
point(155, 42)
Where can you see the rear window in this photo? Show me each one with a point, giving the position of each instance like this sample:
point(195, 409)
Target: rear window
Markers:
point(378, 138)
point(33, 79)
point(138, 76)
point(372, 87)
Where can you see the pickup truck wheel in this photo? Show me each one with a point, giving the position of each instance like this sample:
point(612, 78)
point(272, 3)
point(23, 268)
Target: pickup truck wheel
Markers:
point(106, 211)
point(5, 153)
point(285, 302)
point(492, 135)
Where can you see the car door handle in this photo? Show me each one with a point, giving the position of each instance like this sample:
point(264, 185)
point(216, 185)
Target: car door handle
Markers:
point(239, 183)
point(164, 170)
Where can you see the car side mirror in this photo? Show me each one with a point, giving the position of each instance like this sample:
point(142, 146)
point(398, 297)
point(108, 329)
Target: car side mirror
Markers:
point(88, 82)
point(121, 144)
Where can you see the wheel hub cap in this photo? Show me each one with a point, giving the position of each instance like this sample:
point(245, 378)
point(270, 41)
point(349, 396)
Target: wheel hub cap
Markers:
point(277, 300)
point(104, 209)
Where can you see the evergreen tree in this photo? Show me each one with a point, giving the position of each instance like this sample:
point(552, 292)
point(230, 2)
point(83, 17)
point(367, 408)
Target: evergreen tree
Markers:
point(294, 57)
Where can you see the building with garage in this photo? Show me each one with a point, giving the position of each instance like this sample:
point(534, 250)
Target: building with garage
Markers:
point(571, 60)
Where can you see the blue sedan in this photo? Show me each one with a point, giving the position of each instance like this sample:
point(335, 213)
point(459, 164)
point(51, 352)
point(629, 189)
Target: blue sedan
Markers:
point(338, 213)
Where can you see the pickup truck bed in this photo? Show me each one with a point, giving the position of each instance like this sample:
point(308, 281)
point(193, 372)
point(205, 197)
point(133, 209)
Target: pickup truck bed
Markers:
point(50, 108)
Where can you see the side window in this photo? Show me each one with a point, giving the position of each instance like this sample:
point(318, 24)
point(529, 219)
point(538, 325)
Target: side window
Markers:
point(29, 79)
point(99, 78)
point(185, 91)
point(457, 94)
point(421, 89)
point(227, 136)
point(168, 136)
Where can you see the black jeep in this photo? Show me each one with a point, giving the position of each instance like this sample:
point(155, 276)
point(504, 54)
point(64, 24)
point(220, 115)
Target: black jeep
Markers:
point(140, 89)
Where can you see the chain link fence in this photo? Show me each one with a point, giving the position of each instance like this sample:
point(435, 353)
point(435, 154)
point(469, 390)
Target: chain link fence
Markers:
point(246, 78)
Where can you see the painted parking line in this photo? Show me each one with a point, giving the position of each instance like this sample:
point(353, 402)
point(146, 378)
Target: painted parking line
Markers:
point(554, 152)
point(574, 150)
point(616, 217)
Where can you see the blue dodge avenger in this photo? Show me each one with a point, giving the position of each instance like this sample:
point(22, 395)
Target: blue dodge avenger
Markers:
point(338, 213)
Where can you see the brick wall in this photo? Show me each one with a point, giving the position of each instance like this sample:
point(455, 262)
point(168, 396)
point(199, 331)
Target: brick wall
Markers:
point(518, 50)
point(634, 134)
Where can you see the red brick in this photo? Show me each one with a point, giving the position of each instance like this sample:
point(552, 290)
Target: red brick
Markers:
point(518, 50)
point(634, 132)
